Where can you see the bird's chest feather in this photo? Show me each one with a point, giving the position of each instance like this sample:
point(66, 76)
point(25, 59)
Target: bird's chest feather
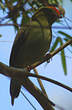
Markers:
point(39, 40)
point(35, 46)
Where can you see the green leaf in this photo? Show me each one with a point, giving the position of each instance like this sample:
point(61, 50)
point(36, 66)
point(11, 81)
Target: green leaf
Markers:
point(55, 44)
point(0, 35)
point(2, 6)
point(63, 59)
point(64, 34)
point(67, 37)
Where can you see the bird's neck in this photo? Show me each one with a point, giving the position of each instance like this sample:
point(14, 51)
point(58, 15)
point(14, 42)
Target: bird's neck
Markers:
point(42, 19)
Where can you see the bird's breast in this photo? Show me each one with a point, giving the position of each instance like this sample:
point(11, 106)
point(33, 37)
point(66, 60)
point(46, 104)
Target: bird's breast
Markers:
point(35, 46)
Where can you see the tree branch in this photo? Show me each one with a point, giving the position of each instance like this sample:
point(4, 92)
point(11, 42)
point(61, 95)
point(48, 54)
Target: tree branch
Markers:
point(10, 7)
point(22, 75)
point(50, 80)
point(51, 54)
point(40, 82)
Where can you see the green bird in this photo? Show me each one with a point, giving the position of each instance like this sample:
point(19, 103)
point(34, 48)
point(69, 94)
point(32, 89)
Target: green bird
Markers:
point(32, 43)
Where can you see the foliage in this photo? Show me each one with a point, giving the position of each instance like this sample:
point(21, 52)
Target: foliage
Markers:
point(63, 59)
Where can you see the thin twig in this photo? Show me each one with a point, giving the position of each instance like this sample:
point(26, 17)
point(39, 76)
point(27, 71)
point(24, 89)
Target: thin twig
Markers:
point(52, 103)
point(61, 48)
point(28, 100)
point(9, 24)
point(50, 80)
point(40, 82)
point(51, 54)
point(8, 4)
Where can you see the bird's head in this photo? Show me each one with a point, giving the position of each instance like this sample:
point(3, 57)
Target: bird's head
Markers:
point(50, 13)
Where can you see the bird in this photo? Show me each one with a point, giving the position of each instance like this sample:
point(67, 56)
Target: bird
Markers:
point(31, 43)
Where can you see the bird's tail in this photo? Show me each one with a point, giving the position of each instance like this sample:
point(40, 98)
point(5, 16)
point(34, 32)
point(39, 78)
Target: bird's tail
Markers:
point(15, 87)
point(12, 101)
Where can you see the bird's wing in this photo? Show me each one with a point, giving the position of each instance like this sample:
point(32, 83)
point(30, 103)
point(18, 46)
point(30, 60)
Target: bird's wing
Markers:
point(20, 39)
